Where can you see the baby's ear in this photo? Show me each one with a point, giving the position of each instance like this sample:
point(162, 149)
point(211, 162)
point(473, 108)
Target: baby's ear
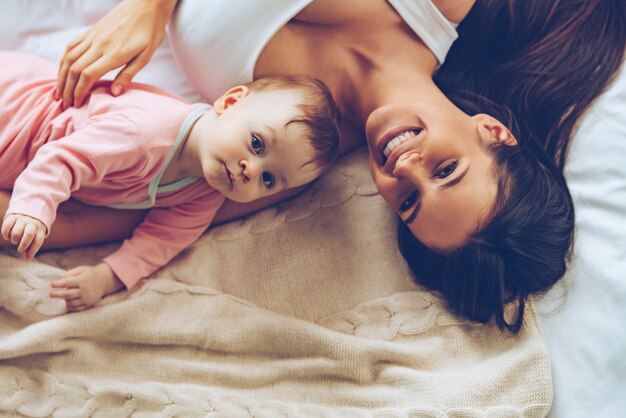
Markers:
point(492, 130)
point(229, 98)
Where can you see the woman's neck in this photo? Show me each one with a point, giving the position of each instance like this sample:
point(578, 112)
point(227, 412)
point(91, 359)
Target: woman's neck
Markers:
point(381, 77)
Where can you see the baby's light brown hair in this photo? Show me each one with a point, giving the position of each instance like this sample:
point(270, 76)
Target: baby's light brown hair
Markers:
point(319, 115)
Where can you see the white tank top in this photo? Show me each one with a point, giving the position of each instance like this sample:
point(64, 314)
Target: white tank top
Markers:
point(218, 42)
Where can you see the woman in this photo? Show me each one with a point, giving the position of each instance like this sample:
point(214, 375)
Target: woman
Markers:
point(549, 62)
point(425, 152)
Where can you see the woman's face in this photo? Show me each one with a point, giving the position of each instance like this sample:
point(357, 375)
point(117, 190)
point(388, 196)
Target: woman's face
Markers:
point(431, 163)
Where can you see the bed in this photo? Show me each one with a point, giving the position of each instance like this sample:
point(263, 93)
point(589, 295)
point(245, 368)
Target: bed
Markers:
point(333, 325)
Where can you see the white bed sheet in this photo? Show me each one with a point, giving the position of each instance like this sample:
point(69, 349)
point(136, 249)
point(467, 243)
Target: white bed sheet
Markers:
point(583, 316)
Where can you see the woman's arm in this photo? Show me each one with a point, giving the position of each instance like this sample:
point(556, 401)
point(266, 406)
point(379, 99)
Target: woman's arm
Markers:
point(127, 36)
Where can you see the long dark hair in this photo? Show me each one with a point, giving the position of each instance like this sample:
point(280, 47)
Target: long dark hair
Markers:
point(536, 65)
point(546, 60)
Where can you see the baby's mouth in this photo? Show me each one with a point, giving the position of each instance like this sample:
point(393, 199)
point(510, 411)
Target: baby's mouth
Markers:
point(229, 175)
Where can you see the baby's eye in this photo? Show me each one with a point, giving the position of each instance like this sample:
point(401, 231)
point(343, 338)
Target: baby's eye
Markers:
point(408, 202)
point(446, 170)
point(268, 179)
point(257, 144)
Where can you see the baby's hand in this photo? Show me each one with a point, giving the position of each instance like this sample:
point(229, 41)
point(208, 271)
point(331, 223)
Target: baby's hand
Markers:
point(25, 232)
point(84, 286)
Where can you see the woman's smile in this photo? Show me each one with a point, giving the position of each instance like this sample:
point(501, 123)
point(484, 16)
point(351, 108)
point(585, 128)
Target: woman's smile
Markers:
point(391, 128)
point(415, 142)
point(397, 140)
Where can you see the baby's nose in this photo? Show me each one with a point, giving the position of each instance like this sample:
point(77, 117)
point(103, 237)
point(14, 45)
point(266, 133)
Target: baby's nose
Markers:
point(248, 170)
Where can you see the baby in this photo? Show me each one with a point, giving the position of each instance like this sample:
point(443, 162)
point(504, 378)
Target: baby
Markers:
point(150, 149)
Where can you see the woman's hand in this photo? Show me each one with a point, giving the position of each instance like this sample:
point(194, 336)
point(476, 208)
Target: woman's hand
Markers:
point(84, 286)
point(128, 35)
point(25, 232)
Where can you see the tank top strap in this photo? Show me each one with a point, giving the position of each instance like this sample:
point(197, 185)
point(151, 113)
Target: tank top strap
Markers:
point(425, 19)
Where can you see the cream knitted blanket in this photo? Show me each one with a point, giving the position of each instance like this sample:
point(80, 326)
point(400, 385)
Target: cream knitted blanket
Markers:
point(303, 310)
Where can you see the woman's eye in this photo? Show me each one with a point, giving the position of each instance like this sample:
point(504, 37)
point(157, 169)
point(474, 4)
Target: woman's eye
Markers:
point(446, 170)
point(268, 179)
point(257, 144)
point(408, 202)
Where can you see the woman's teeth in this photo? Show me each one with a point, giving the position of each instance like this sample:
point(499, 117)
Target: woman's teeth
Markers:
point(397, 140)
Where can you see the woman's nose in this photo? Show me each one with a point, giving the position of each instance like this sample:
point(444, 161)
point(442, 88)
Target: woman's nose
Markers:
point(408, 165)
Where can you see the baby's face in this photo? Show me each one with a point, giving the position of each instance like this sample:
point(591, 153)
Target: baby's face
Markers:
point(254, 150)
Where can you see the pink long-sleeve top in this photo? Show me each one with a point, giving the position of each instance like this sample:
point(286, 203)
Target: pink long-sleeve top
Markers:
point(111, 151)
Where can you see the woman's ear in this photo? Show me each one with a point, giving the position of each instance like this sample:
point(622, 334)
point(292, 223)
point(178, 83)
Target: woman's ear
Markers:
point(492, 130)
point(229, 98)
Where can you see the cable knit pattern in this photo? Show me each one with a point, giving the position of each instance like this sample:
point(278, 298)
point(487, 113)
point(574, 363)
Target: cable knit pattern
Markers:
point(75, 397)
point(302, 310)
point(24, 289)
point(404, 314)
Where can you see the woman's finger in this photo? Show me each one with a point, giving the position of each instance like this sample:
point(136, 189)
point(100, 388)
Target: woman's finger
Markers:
point(76, 41)
point(76, 71)
point(126, 75)
point(92, 73)
point(72, 53)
